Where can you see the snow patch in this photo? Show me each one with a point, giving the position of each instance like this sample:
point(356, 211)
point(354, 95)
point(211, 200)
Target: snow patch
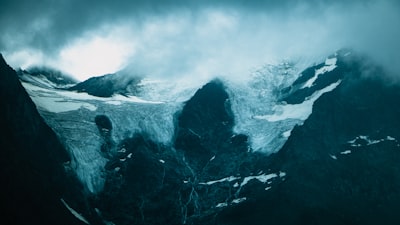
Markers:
point(57, 101)
point(297, 111)
point(330, 65)
point(364, 140)
point(333, 157)
point(222, 204)
point(263, 178)
point(238, 200)
point(75, 213)
point(287, 134)
point(161, 161)
point(345, 152)
point(389, 138)
point(226, 179)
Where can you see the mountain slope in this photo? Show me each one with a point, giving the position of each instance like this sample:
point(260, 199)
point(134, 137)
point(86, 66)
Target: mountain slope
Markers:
point(32, 173)
point(342, 164)
point(108, 85)
point(46, 77)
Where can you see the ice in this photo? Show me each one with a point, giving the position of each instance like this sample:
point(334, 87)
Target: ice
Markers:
point(330, 64)
point(389, 138)
point(220, 205)
point(152, 113)
point(262, 178)
point(167, 90)
point(57, 101)
point(254, 102)
point(286, 134)
point(41, 80)
point(75, 213)
point(239, 200)
point(234, 201)
point(345, 152)
point(71, 115)
point(226, 179)
point(364, 140)
point(257, 95)
point(88, 161)
point(297, 111)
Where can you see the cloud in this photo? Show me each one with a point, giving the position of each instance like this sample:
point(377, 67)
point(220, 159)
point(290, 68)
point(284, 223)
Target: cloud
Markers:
point(193, 38)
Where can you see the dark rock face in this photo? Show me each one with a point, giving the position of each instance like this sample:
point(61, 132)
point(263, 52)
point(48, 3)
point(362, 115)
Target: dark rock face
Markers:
point(143, 185)
point(105, 129)
point(32, 173)
point(205, 125)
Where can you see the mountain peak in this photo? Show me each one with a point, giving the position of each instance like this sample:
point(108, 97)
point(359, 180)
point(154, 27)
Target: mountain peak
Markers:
point(108, 85)
point(55, 76)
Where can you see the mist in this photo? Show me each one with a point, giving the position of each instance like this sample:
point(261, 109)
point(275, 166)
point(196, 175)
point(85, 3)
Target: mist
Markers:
point(167, 39)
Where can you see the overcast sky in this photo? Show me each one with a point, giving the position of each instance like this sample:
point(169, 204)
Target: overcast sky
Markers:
point(192, 38)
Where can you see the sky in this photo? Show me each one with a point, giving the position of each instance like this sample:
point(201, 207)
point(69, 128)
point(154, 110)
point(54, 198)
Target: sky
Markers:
point(175, 38)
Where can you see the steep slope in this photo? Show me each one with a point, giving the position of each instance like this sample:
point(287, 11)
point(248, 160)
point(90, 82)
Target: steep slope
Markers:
point(32, 173)
point(342, 164)
point(46, 77)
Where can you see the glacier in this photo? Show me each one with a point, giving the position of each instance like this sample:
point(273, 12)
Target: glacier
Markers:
point(71, 115)
point(255, 103)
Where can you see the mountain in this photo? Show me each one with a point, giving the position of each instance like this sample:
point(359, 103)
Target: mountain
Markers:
point(108, 85)
point(342, 163)
point(283, 147)
point(46, 77)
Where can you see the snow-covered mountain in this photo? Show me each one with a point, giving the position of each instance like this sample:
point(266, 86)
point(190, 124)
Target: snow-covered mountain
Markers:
point(46, 77)
point(282, 146)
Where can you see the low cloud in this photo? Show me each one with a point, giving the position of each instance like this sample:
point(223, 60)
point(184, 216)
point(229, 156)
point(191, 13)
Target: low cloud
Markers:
point(188, 38)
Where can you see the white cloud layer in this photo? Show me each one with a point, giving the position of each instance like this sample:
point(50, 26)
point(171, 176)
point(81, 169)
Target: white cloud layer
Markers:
point(210, 40)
